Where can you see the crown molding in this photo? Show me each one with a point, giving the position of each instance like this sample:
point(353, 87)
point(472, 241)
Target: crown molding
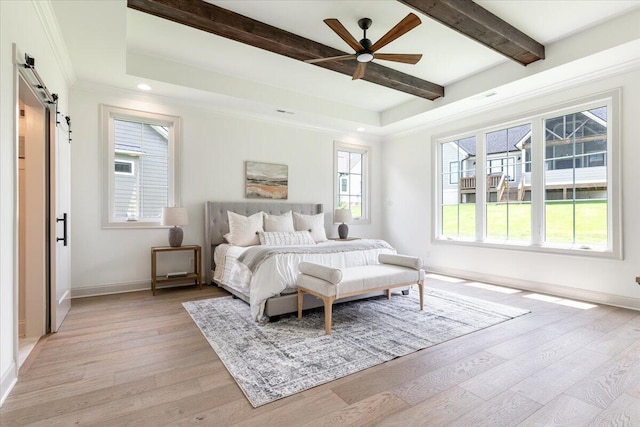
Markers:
point(47, 16)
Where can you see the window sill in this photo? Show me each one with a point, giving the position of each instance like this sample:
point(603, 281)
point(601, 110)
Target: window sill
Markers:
point(132, 224)
point(528, 247)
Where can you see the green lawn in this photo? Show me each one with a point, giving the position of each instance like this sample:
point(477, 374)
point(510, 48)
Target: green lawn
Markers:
point(513, 221)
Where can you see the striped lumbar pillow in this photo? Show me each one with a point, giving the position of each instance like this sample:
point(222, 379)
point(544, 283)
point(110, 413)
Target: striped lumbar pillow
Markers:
point(285, 238)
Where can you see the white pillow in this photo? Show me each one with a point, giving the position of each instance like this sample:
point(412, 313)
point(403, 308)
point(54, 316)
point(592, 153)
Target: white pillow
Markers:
point(243, 230)
point(282, 222)
point(314, 224)
point(285, 238)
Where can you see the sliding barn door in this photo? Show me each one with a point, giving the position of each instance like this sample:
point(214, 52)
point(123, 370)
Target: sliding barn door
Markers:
point(60, 202)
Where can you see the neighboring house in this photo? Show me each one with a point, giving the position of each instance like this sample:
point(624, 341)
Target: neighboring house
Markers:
point(575, 161)
point(141, 180)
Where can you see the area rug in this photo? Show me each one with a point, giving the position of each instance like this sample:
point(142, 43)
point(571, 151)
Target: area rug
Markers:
point(281, 358)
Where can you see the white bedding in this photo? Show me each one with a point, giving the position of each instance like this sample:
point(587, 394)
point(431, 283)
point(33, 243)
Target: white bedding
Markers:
point(277, 274)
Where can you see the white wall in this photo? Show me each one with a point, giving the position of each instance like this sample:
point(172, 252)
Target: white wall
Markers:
point(214, 149)
point(408, 196)
point(27, 24)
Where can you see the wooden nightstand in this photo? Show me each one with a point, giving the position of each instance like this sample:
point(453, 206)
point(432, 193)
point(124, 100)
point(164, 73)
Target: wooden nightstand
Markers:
point(196, 275)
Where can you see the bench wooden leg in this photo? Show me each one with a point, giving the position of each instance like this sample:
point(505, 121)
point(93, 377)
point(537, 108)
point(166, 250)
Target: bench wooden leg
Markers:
point(421, 286)
point(328, 307)
point(300, 300)
point(389, 293)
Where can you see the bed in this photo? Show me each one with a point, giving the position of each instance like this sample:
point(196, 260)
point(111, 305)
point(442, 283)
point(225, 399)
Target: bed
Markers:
point(268, 284)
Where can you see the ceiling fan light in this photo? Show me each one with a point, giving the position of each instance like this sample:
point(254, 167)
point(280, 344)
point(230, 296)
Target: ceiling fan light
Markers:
point(364, 57)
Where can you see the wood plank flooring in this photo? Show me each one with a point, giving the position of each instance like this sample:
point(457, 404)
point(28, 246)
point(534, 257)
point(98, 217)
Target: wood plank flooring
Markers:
point(135, 359)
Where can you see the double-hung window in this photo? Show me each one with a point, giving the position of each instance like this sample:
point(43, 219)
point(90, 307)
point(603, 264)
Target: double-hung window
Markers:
point(508, 206)
point(547, 181)
point(457, 189)
point(352, 180)
point(140, 166)
point(576, 147)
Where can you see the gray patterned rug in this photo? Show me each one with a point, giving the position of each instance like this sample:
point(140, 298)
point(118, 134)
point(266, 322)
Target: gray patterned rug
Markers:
point(278, 359)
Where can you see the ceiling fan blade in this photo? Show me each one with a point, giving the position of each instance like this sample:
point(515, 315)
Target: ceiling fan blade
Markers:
point(342, 32)
point(408, 23)
point(407, 58)
point(359, 73)
point(331, 58)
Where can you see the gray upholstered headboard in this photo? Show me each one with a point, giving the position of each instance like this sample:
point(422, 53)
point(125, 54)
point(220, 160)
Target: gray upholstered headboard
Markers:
point(216, 223)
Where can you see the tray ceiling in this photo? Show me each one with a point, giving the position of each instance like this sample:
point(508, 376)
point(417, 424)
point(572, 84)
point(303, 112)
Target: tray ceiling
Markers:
point(111, 44)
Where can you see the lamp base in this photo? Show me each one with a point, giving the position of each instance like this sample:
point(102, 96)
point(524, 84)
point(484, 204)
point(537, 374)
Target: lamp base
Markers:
point(343, 231)
point(175, 237)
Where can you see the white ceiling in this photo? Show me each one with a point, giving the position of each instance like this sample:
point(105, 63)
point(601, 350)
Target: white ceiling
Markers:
point(110, 44)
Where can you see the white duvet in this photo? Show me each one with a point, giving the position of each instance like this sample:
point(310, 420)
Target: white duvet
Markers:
point(277, 274)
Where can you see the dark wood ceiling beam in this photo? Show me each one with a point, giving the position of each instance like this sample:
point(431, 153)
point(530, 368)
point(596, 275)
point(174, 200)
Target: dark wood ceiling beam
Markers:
point(225, 23)
point(475, 22)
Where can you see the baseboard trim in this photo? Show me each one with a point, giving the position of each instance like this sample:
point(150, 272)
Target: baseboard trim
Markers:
point(547, 288)
point(118, 288)
point(527, 285)
point(9, 379)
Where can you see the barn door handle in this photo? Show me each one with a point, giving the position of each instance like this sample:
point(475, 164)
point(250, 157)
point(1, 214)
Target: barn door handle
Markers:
point(64, 221)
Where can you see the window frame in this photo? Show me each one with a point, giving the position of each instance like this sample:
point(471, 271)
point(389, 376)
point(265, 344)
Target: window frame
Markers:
point(610, 99)
point(108, 115)
point(129, 162)
point(365, 151)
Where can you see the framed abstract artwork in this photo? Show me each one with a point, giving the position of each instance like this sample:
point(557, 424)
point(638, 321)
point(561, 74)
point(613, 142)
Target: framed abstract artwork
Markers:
point(266, 181)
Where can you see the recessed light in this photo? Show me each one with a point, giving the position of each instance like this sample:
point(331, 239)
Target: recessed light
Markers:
point(361, 129)
point(144, 86)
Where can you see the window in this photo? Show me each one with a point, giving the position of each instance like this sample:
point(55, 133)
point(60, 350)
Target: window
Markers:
point(502, 166)
point(576, 177)
point(351, 180)
point(141, 150)
point(124, 167)
point(458, 202)
point(548, 182)
point(508, 212)
point(344, 182)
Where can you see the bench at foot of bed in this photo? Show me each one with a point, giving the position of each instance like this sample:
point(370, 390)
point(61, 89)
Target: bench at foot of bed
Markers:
point(329, 284)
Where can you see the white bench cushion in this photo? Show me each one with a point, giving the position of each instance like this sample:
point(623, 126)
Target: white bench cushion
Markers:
point(361, 279)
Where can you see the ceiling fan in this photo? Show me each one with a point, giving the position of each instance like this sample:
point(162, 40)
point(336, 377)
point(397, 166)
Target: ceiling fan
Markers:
point(365, 50)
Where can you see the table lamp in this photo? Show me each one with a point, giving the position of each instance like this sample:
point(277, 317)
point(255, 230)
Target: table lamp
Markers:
point(175, 217)
point(342, 216)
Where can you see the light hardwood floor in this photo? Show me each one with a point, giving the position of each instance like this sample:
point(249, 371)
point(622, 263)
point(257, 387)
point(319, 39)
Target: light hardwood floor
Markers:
point(134, 359)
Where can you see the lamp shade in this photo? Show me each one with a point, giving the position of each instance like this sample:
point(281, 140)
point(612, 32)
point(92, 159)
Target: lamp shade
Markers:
point(342, 216)
point(175, 216)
